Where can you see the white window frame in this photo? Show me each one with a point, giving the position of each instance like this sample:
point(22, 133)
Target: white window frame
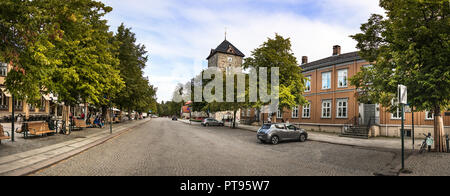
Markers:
point(340, 106)
point(399, 115)
point(343, 78)
point(249, 112)
point(326, 79)
point(326, 109)
point(295, 111)
point(426, 115)
point(3, 69)
point(308, 84)
point(279, 115)
point(306, 110)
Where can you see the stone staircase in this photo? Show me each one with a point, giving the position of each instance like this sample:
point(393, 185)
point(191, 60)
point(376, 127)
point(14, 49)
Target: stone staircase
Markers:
point(360, 132)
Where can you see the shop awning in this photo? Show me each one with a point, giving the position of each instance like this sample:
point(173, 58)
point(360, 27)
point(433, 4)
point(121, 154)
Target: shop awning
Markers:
point(47, 97)
point(7, 94)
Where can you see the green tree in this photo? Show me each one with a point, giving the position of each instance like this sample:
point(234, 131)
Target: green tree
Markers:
point(26, 36)
point(409, 47)
point(277, 52)
point(138, 94)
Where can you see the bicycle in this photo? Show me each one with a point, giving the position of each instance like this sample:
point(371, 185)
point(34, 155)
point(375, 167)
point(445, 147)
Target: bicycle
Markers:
point(62, 127)
point(424, 145)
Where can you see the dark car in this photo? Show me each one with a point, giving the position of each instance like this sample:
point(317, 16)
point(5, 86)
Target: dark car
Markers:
point(274, 133)
point(211, 122)
point(174, 118)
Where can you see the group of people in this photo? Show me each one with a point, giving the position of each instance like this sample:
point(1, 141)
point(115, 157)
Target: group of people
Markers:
point(98, 120)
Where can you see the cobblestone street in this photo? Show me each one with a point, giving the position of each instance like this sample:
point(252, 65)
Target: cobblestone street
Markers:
point(165, 148)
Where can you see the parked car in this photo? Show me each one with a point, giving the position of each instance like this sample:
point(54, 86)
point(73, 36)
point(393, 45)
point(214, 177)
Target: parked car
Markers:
point(275, 133)
point(211, 122)
point(174, 118)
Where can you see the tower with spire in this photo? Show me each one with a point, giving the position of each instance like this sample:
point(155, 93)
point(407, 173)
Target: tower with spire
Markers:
point(225, 55)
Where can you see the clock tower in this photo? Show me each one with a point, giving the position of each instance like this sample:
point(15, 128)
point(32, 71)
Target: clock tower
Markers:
point(225, 55)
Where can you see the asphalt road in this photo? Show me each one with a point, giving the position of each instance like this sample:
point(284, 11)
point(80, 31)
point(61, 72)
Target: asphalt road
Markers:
point(166, 148)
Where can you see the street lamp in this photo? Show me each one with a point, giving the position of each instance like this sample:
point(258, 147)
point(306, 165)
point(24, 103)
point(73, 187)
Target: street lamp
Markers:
point(13, 119)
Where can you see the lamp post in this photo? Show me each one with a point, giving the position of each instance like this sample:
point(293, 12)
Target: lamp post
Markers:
point(403, 100)
point(13, 119)
point(110, 116)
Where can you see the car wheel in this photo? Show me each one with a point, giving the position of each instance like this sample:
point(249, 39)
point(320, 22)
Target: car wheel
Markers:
point(275, 140)
point(302, 138)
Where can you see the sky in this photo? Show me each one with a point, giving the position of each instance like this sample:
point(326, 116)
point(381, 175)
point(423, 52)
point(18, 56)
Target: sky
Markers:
point(179, 34)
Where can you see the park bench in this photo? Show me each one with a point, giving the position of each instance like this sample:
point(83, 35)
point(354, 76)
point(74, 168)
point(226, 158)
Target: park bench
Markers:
point(116, 120)
point(34, 128)
point(80, 124)
point(2, 134)
point(91, 122)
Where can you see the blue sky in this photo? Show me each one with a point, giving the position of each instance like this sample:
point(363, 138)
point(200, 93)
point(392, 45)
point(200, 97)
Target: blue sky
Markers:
point(179, 34)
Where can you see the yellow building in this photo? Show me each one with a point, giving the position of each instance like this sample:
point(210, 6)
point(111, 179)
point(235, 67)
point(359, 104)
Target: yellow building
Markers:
point(21, 106)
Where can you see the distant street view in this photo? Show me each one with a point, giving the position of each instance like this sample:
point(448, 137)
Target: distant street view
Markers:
point(224, 88)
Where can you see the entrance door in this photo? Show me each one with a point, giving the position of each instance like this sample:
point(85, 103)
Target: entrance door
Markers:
point(369, 113)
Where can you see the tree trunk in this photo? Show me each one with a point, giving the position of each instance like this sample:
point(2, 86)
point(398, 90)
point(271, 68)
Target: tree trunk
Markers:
point(439, 141)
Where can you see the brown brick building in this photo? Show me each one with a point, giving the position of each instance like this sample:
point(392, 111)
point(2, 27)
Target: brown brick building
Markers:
point(333, 103)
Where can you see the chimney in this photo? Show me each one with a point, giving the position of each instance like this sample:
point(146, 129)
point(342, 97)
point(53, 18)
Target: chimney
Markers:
point(304, 60)
point(336, 50)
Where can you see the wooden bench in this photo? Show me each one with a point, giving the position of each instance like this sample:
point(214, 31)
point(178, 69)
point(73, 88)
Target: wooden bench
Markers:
point(34, 128)
point(80, 123)
point(116, 120)
point(91, 122)
point(2, 134)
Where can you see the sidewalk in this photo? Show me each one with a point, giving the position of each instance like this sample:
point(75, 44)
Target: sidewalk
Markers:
point(380, 142)
point(27, 156)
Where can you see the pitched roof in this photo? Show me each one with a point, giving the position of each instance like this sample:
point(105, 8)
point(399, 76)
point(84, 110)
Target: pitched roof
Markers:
point(333, 60)
point(226, 48)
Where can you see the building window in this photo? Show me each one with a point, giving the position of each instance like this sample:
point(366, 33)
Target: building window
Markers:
point(326, 80)
point(429, 115)
point(243, 113)
point(43, 104)
point(3, 69)
point(326, 109)
point(308, 84)
point(279, 114)
point(18, 105)
point(306, 111)
point(249, 112)
point(342, 78)
point(295, 112)
point(4, 102)
point(31, 107)
point(342, 108)
point(397, 114)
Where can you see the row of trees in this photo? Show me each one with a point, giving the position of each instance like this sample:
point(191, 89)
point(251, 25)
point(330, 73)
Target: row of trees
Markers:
point(65, 47)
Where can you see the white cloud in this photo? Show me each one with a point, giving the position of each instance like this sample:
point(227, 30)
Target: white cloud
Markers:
point(179, 35)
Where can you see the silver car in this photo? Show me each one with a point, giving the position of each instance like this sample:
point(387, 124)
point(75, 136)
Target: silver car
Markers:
point(211, 122)
point(275, 133)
